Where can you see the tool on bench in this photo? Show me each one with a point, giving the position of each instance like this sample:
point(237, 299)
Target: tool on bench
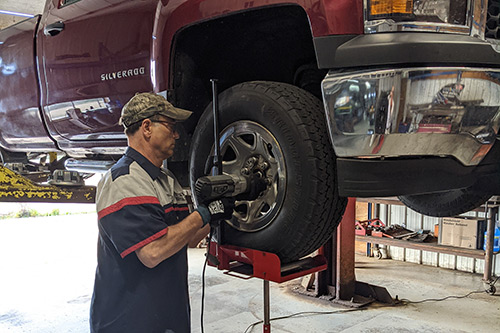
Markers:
point(367, 227)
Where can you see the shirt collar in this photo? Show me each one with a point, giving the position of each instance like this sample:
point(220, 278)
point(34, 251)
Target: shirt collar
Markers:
point(150, 168)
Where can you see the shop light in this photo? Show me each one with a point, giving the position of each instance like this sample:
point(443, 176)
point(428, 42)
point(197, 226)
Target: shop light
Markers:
point(15, 13)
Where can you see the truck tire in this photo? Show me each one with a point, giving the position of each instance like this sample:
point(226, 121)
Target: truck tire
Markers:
point(279, 130)
point(442, 204)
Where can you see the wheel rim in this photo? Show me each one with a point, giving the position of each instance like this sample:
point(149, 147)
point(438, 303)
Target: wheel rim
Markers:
point(248, 147)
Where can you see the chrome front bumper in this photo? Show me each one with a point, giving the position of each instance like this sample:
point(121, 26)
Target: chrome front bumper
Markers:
point(413, 112)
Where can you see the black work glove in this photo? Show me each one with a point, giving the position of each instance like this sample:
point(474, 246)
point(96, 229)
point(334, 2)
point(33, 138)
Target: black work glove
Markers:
point(217, 210)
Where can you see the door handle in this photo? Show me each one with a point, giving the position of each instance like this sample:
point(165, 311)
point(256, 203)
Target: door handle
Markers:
point(53, 29)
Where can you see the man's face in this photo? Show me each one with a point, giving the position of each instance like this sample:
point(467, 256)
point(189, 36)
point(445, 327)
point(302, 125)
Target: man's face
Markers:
point(164, 136)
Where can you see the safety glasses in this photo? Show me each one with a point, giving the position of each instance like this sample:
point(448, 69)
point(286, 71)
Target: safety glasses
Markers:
point(170, 125)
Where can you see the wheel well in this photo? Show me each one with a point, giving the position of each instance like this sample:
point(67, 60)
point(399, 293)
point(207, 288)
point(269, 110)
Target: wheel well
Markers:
point(271, 44)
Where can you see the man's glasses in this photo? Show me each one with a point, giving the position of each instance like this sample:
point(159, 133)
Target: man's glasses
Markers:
point(171, 126)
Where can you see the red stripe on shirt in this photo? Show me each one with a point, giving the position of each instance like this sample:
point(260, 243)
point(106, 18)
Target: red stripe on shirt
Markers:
point(126, 202)
point(144, 242)
point(177, 209)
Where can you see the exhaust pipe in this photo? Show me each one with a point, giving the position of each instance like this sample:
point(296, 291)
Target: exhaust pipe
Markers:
point(88, 166)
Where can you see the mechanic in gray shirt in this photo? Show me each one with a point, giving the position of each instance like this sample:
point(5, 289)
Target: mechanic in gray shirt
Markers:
point(145, 227)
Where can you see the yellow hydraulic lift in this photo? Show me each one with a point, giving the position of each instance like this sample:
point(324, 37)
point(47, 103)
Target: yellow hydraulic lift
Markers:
point(17, 188)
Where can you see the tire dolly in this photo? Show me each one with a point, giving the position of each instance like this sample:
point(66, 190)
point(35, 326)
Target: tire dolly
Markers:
point(244, 262)
point(248, 263)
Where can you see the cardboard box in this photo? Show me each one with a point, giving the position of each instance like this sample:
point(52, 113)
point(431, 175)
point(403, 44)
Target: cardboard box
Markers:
point(462, 232)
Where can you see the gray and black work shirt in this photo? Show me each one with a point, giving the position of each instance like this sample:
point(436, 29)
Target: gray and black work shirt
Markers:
point(136, 203)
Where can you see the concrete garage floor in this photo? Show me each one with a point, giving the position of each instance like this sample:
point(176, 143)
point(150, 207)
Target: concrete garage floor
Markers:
point(48, 264)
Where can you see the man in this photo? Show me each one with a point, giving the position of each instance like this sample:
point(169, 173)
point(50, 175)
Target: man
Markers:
point(145, 227)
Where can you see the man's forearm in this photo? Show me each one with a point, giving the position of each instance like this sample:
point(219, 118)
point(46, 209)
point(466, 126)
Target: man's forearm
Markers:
point(177, 236)
point(200, 234)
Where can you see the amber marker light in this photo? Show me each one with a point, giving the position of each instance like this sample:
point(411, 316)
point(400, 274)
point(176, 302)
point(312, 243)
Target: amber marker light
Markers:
point(390, 7)
point(481, 153)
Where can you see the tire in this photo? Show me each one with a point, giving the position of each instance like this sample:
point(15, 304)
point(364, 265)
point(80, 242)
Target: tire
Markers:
point(283, 128)
point(442, 204)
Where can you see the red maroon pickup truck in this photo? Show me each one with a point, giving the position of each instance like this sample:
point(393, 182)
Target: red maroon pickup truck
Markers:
point(326, 98)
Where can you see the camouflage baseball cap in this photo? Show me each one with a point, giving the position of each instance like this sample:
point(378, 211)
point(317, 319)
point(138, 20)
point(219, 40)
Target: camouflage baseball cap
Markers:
point(145, 105)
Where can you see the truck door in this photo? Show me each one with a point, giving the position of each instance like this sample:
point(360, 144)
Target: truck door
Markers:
point(96, 55)
point(20, 119)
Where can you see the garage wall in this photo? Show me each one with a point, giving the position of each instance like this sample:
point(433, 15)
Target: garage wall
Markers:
point(395, 214)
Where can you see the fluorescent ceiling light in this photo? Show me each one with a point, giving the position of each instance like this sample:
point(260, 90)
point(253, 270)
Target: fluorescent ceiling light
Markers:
point(15, 13)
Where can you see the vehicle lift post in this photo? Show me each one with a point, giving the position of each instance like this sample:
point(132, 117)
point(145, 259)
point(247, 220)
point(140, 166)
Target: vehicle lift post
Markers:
point(338, 281)
point(491, 211)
